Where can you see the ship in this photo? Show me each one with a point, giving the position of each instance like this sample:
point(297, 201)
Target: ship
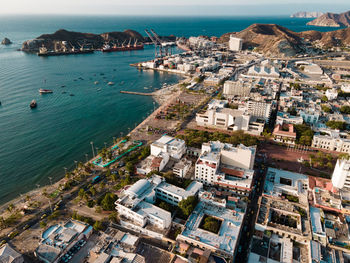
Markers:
point(128, 47)
point(44, 52)
point(33, 104)
point(44, 91)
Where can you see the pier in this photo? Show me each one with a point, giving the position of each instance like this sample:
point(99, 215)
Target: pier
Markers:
point(137, 93)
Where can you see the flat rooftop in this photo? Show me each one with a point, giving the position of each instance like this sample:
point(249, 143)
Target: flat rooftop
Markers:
point(226, 238)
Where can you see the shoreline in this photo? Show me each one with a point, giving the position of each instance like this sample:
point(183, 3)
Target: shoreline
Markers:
point(160, 96)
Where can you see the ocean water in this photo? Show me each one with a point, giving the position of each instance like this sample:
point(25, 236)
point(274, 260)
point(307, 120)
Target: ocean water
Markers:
point(36, 144)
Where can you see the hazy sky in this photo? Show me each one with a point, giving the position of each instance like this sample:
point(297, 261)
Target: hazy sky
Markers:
point(166, 7)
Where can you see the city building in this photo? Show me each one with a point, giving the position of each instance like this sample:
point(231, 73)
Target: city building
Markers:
point(331, 140)
point(235, 43)
point(161, 151)
point(284, 133)
point(283, 206)
point(176, 148)
point(284, 117)
point(318, 232)
point(259, 109)
point(236, 88)
point(228, 168)
point(332, 94)
point(9, 255)
point(341, 174)
point(182, 167)
point(58, 239)
point(136, 203)
point(310, 116)
point(225, 241)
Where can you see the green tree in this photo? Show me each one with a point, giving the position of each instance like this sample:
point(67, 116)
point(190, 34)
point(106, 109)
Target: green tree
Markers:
point(129, 167)
point(188, 205)
point(98, 225)
point(324, 98)
point(107, 202)
point(326, 108)
point(165, 206)
point(345, 109)
point(339, 125)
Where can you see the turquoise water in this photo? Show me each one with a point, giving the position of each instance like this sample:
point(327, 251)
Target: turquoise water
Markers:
point(35, 144)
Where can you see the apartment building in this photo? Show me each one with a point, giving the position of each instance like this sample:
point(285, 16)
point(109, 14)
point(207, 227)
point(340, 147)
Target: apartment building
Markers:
point(137, 202)
point(235, 43)
point(236, 88)
point(226, 167)
point(259, 109)
point(334, 141)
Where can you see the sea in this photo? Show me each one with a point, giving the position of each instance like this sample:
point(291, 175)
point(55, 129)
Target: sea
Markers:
point(36, 145)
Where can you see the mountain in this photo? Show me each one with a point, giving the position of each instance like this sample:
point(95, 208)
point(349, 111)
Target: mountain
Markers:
point(332, 20)
point(76, 39)
point(275, 40)
point(269, 39)
point(303, 14)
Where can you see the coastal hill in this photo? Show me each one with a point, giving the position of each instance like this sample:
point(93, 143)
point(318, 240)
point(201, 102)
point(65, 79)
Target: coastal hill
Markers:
point(332, 20)
point(303, 14)
point(272, 39)
point(269, 39)
point(76, 39)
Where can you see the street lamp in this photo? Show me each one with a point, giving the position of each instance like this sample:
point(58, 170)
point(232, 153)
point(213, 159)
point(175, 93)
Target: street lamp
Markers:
point(105, 144)
point(97, 150)
point(76, 164)
point(86, 156)
point(92, 147)
point(65, 170)
point(113, 139)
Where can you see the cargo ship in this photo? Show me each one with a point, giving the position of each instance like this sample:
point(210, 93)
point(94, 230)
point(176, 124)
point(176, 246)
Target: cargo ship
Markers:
point(116, 48)
point(43, 52)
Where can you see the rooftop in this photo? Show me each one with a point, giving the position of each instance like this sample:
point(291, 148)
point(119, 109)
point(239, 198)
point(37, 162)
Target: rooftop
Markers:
point(226, 238)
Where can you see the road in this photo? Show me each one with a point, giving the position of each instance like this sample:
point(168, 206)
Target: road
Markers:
point(250, 218)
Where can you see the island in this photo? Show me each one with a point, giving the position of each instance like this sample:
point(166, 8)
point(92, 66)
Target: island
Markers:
point(303, 14)
point(332, 20)
point(6, 41)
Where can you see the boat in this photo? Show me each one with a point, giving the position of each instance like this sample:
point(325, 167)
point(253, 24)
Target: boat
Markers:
point(44, 52)
point(116, 48)
point(111, 83)
point(71, 94)
point(45, 91)
point(96, 82)
point(33, 104)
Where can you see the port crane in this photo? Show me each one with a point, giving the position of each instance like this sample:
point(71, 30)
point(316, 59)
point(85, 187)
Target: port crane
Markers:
point(165, 45)
point(161, 48)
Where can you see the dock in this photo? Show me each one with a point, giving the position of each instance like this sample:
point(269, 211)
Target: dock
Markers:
point(137, 93)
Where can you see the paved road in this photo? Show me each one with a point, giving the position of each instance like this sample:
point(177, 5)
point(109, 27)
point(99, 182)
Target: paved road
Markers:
point(252, 209)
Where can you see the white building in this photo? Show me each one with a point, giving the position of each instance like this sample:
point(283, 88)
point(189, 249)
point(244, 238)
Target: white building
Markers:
point(235, 44)
point(136, 202)
point(58, 239)
point(230, 119)
point(161, 151)
point(332, 142)
point(236, 88)
point(223, 243)
point(341, 174)
point(182, 167)
point(170, 145)
point(284, 117)
point(173, 194)
point(226, 166)
point(259, 109)
point(331, 94)
point(345, 88)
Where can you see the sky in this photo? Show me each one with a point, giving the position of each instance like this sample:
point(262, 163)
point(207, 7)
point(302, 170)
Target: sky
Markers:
point(167, 7)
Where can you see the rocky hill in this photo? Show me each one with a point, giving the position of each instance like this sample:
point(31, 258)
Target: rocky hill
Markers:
point(303, 14)
point(332, 20)
point(269, 39)
point(76, 39)
point(275, 40)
